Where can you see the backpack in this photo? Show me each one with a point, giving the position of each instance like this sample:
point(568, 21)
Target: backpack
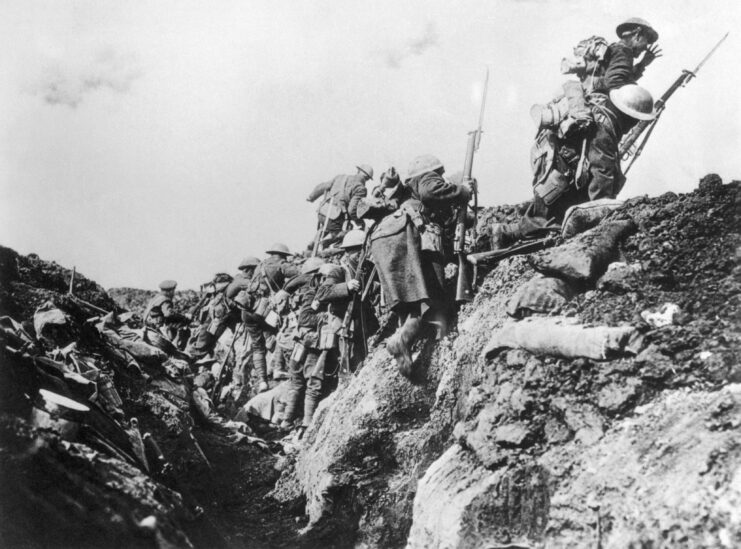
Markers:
point(588, 54)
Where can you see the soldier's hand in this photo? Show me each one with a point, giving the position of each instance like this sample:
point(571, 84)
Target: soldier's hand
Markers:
point(353, 285)
point(472, 185)
point(652, 52)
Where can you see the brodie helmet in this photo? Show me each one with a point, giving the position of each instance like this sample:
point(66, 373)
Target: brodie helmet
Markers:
point(423, 164)
point(634, 101)
point(366, 169)
point(633, 22)
point(278, 248)
point(312, 265)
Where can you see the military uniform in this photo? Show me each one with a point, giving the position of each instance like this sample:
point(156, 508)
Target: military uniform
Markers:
point(410, 248)
point(335, 295)
point(310, 375)
point(341, 197)
point(161, 316)
point(269, 278)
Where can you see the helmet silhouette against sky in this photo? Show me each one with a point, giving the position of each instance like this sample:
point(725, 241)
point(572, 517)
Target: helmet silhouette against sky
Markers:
point(353, 238)
point(250, 261)
point(278, 248)
point(634, 101)
point(366, 169)
point(423, 164)
point(168, 285)
point(628, 24)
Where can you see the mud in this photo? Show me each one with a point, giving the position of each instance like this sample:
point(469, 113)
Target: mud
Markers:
point(521, 450)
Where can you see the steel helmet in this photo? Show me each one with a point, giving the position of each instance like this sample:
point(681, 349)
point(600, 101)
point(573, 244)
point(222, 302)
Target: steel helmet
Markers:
point(168, 285)
point(278, 248)
point(353, 238)
point(330, 270)
point(248, 262)
point(366, 169)
point(634, 101)
point(312, 265)
point(626, 25)
point(423, 164)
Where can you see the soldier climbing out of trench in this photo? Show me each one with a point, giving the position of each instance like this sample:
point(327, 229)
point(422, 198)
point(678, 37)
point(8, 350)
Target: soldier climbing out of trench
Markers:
point(575, 157)
point(411, 247)
point(582, 166)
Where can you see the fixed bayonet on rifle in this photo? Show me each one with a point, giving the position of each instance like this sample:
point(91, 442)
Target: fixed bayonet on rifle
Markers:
point(627, 149)
point(464, 286)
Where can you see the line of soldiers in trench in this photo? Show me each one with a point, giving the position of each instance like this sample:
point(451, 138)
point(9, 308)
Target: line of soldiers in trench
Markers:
point(310, 315)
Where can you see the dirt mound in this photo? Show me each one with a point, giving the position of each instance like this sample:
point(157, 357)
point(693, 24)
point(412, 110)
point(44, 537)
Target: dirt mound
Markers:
point(138, 467)
point(536, 450)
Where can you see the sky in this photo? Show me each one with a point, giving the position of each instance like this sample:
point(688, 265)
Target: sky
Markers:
point(147, 140)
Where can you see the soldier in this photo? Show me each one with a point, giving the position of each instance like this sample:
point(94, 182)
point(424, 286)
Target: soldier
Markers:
point(268, 280)
point(223, 308)
point(600, 68)
point(617, 69)
point(410, 249)
point(338, 207)
point(341, 285)
point(284, 338)
point(161, 314)
point(564, 176)
point(274, 271)
point(306, 376)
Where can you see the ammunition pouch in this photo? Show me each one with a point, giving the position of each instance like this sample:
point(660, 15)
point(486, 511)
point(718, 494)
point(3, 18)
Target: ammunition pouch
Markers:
point(553, 187)
point(328, 339)
point(329, 333)
point(298, 353)
point(431, 238)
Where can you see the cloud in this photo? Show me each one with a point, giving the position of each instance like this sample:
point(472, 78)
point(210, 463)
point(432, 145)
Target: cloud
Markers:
point(414, 47)
point(67, 83)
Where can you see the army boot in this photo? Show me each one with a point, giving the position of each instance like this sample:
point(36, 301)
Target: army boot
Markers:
point(400, 344)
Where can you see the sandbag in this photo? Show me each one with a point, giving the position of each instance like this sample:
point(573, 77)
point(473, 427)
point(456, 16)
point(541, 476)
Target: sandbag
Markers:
point(584, 259)
point(582, 217)
point(48, 315)
point(265, 405)
point(539, 295)
point(565, 337)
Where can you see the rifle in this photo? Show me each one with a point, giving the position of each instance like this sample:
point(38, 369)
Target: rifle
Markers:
point(464, 287)
point(487, 258)
point(627, 149)
point(346, 332)
point(222, 372)
point(320, 233)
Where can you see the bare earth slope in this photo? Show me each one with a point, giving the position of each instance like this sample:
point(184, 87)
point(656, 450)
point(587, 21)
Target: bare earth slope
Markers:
point(533, 450)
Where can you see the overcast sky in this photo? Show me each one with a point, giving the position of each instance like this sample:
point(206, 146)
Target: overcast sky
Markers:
point(169, 139)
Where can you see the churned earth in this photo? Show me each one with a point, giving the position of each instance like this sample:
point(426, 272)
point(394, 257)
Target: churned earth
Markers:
point(524, 448)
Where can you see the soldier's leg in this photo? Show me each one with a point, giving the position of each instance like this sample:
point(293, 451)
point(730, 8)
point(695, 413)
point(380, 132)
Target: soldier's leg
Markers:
point(400, 344)
point(313, 387)
point(281, 357)
point(295, 392)
point(259, 352)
